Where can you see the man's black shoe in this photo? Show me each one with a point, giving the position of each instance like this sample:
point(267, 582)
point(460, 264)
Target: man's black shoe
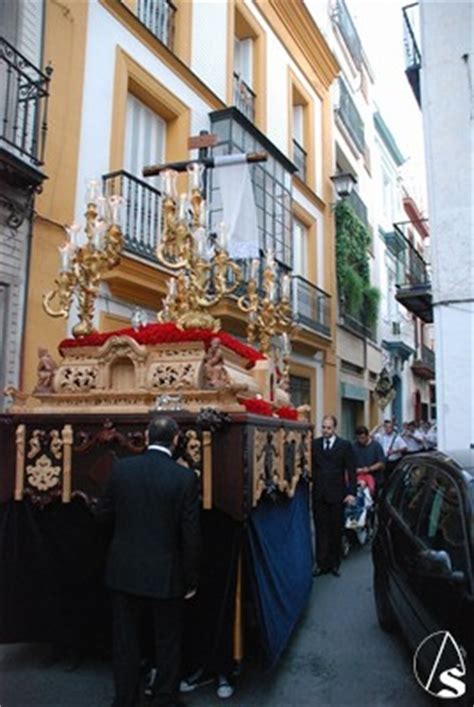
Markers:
point(335, 572)
point(318, 572)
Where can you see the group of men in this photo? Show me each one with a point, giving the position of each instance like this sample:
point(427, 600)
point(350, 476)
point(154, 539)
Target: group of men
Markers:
point(153, 561)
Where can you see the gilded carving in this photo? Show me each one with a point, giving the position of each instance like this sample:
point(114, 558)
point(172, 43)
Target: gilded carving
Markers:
point(173, 375)
point(43, 475)
point(77, 379)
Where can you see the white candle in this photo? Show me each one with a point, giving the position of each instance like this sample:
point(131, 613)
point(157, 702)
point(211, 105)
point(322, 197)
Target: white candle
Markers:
point(285, 287)
point(203, 214)
point(254, 269)
point(73, 235)
point(168, 183)
point(182, 212)
point(195, 171)
point(286, 343)
point(65, 257)
point(172, 287)
point(271, 292)
point(92, 190)
point(115, 203)
point(269, 259)
point(222, 236)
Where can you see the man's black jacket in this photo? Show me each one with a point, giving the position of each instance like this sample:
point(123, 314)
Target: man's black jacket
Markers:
point(330, 469)
point(155, 546)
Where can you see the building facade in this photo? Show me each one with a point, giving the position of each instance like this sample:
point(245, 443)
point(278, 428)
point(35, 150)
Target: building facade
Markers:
point(23, 124)
point(133, 81)
point(402, 241)
point(438, 43)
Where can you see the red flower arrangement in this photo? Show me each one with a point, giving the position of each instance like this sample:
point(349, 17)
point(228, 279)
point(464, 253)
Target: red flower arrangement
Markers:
point(257, 407)
point(287, 413)
point(169, 333)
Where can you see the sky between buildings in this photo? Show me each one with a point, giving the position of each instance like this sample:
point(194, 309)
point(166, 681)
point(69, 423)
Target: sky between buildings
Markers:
point(380, 26)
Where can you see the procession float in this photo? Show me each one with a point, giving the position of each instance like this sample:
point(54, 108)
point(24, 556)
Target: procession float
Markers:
point(239, 432)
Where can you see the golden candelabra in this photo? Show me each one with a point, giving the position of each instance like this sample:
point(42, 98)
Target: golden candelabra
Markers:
point(84, 264)
point(268, 317)
point(206, 272)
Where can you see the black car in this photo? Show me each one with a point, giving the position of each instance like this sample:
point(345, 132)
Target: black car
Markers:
point(423, 555)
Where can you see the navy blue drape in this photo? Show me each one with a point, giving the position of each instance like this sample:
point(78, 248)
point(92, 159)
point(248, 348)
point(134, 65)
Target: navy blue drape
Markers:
point(280, 567)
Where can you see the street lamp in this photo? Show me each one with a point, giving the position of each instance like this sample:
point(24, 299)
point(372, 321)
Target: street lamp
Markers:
point(343, 183)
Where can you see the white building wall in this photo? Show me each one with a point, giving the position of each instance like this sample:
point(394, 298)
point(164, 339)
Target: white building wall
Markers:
point(209, 44)
point(446, 36)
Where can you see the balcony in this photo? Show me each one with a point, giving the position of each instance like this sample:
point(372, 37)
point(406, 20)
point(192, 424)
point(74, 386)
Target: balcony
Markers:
point(358, 206)
point(350, 117)
point(299, 158)
point(424, 367)
point(413, 279)
point(158, 16)
point(141, 212)
point(412, 51)
point(244, 98)
point(356, 325)
point(24, 92)
point(271, 181)
point(345, 24)
point(311, 306)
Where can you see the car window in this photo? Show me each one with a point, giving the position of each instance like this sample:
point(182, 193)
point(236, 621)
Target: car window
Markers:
point(441, 526)
point(407, 495)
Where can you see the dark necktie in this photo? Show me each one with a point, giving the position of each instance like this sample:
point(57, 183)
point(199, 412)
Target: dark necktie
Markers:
point(327, 445)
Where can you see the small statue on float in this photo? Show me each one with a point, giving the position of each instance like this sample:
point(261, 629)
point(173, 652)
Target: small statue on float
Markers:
point(215, 372)
point(45, 371)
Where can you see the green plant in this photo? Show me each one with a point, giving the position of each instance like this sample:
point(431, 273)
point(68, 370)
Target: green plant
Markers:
point(360, 298)
point(371, 305)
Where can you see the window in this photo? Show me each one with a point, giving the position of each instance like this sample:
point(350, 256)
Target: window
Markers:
point(441, 526)
point(243, 60)
point(298, 124)
point(300, 390)
point(4, 289)
point(300, 249)
point(144, 138)
point(406, 496)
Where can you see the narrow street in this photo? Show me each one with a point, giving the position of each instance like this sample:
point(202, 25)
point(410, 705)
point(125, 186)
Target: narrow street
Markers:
point(337, 657)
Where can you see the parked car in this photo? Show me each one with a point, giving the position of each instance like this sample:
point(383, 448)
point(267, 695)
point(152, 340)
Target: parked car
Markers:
point(423, 555)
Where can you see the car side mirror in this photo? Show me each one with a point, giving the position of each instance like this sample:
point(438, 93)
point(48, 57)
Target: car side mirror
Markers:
point(437, 563)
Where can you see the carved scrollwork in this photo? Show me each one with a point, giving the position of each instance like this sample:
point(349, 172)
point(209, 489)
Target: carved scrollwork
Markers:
point(212, 419)
point(43, 475)
point(132, 441)
point(173, 375)
point(77, 379)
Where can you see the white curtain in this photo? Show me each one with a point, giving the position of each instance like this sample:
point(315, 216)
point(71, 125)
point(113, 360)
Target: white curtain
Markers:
point(232, 176)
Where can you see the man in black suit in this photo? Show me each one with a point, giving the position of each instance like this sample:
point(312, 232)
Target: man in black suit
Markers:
point(334, 484)
point(153, 559)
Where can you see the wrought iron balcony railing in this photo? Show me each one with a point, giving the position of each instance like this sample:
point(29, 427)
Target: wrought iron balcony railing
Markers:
point(141, 212)
point(299, 158)
point(412, 270)
point(244, 98)
point(158, 16)
point(412, 48)
point(311, 306)
point(428, 357)
point(355, 324)
point(350, 116)
point(358, 206)
point(23, 105)
point(343, 19)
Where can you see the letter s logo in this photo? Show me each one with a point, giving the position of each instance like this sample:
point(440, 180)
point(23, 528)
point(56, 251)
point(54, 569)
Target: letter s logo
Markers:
point(450, 678)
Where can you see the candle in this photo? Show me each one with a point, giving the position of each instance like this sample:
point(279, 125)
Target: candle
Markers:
point(73, 235)
point(222, 236)
point(271, 292)
point(254, 269)
point(195, 171)
point(115, 203)
point(65, 257)
point(172, 287)
point(182, 211)
point(203, 214)
point(99, 229)
point(286, 343)
point(200, 239)
point(168, 183)
point(92, 190)
point(285, 287)
point(269, 259)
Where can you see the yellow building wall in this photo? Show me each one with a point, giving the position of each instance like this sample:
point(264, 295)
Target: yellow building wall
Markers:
point(65, 35)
